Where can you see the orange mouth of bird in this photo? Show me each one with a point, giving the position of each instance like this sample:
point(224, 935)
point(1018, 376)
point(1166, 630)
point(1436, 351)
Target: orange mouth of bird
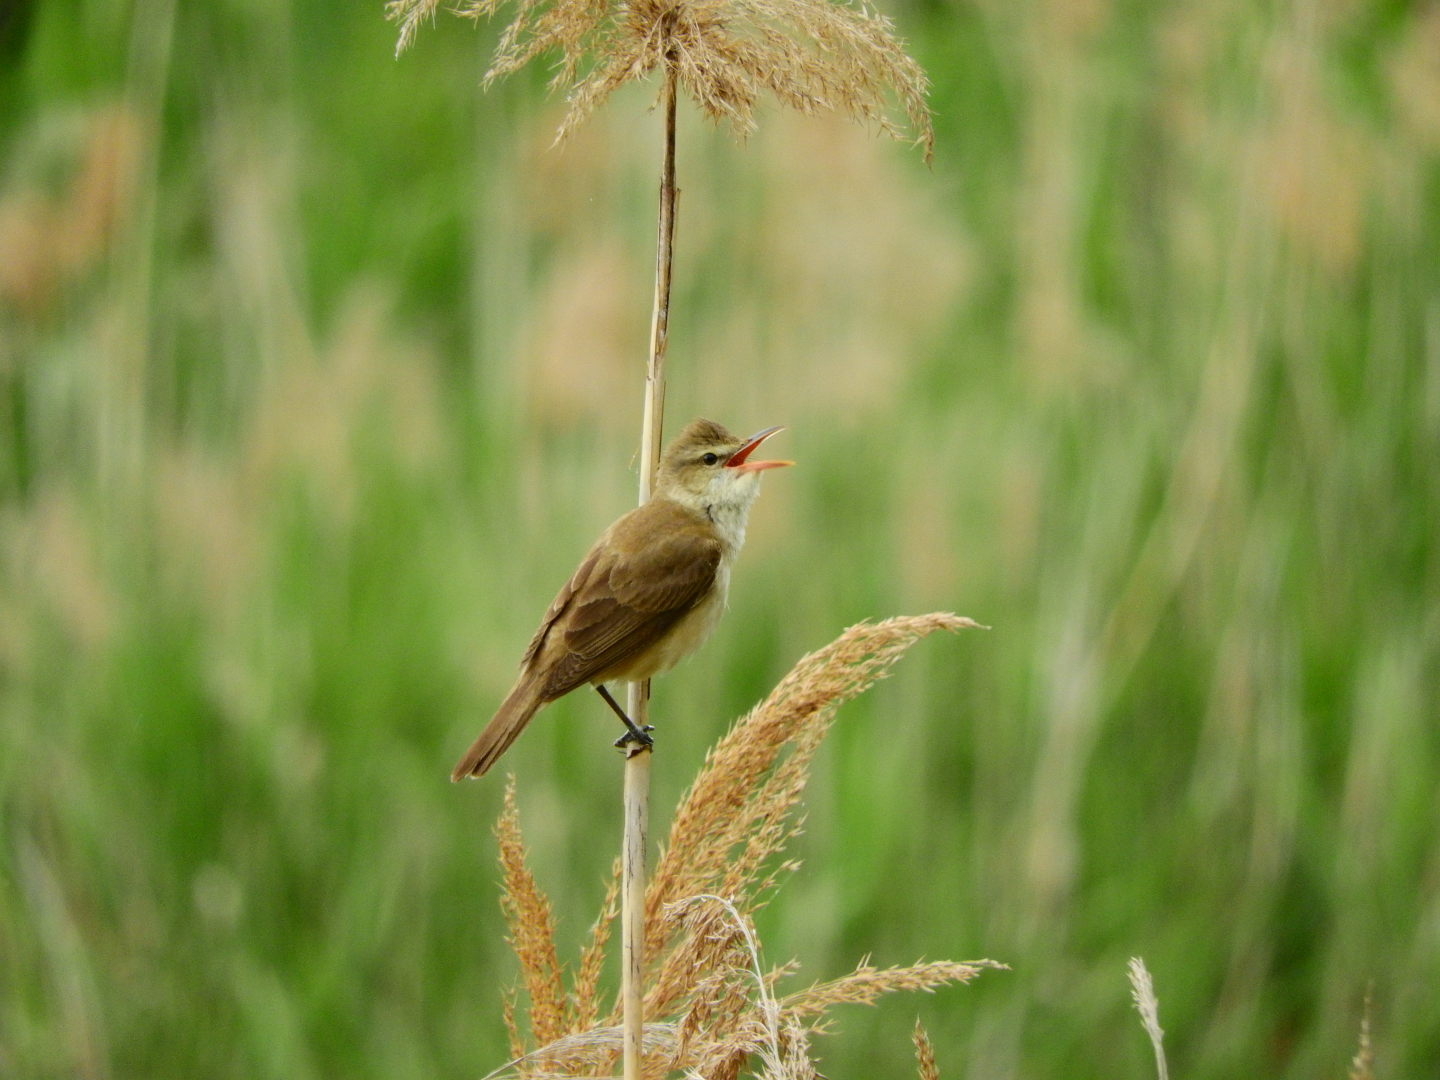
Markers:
point(741, 458)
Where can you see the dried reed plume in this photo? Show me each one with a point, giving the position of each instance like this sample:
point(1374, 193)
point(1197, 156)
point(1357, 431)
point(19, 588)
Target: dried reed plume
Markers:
point(715, 1005)
point(813, 55)
point(1149, 1007)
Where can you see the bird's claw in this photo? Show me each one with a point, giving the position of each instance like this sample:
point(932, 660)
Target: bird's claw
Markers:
point(640, 737)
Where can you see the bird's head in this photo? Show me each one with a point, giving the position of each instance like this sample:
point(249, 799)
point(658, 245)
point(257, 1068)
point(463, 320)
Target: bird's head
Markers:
point(707, 466)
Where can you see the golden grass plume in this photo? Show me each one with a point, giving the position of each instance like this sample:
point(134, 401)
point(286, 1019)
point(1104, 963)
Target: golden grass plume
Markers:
point(714, 1004)
point(532, 929)
point(813, 55)
point(924, 1053)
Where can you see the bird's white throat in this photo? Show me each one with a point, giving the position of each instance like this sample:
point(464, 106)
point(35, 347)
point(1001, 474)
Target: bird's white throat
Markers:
point(726, 503)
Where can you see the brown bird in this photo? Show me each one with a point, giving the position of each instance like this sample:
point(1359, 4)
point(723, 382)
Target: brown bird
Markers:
point(649, 592)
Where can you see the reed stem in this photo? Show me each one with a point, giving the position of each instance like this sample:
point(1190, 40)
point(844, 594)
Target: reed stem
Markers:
point(637, 760)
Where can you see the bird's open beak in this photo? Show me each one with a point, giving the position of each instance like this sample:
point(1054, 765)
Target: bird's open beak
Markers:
point(740, 459)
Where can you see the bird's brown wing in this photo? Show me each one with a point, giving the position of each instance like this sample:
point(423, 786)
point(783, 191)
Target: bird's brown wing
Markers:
point(653, 566)
point(561, 602)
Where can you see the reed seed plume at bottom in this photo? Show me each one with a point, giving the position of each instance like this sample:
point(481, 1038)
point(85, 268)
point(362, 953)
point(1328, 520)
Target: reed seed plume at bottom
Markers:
point(714, 1004)
point(532, 929)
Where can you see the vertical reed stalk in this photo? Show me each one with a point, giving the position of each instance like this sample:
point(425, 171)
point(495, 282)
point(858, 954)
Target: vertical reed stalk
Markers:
point(632, 896)
point(637, 760)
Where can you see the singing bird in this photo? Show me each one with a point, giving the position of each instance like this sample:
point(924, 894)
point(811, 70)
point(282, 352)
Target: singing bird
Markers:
point(649, 592)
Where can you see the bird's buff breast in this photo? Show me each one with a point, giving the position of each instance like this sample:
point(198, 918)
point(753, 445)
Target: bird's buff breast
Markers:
point(687, 635)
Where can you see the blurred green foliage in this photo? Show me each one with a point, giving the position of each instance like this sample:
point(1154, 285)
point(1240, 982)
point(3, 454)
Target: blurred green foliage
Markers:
point(319, 370)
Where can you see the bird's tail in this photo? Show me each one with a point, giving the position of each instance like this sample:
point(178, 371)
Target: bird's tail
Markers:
point(504, 728)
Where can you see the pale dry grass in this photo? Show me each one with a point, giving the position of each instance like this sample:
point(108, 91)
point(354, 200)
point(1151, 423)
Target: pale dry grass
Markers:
point(813, 55)
point(1148, 1005)
point(716, 1007)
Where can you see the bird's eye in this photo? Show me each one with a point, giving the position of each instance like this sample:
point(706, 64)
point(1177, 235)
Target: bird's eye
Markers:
point(709, 459)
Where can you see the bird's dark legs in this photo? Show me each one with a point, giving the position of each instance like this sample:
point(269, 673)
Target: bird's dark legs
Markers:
point(634, 734)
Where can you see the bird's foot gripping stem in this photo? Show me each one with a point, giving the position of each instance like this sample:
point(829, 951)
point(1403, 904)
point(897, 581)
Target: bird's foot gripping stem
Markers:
point(640, 737)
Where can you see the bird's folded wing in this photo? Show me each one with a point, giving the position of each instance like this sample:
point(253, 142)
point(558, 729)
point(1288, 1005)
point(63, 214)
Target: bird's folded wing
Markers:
point(560, 603)
point(658, 563)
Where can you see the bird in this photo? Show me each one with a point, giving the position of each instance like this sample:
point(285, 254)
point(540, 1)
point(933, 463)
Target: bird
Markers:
point(648, 593)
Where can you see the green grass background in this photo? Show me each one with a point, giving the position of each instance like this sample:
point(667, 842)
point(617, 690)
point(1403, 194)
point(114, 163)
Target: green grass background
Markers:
point(319, 370)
